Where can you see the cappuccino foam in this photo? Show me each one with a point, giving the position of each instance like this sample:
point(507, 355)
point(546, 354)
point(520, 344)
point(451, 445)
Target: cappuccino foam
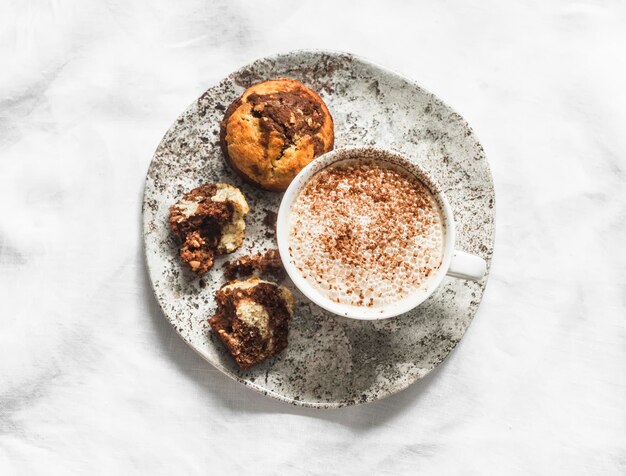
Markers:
point(366, 233)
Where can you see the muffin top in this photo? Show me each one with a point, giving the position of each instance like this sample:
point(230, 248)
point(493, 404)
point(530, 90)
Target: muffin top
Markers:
point(274, 130)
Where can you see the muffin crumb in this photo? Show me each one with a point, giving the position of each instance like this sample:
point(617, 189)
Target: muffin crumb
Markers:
point(265, 263)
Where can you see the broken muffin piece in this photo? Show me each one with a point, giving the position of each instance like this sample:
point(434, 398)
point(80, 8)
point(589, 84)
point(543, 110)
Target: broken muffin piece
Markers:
point(265, 263)
point(252, 319)
point(208, 221)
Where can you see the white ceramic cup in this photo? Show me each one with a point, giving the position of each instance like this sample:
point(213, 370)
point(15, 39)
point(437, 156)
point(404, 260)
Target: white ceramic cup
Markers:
point(458, 264)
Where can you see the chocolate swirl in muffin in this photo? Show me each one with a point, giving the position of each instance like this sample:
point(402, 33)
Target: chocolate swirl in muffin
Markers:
point(252, 319)
point(290, 115)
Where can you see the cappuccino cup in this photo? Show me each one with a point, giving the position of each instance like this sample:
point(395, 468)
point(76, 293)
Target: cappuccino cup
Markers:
point(366, 233)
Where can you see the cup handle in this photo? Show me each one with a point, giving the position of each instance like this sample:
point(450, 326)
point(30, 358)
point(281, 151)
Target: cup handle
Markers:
point(467, 266)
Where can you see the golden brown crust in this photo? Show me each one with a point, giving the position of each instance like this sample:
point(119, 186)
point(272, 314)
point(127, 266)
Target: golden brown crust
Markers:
point(274, 130)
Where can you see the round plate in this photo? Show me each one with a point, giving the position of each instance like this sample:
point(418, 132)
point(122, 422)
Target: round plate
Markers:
point(331, 361)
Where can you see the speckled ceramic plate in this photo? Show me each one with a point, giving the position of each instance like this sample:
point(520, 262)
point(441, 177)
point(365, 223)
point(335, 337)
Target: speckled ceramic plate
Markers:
point(330, 361)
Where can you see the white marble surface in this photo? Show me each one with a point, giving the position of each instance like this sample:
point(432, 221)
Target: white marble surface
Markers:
point(94, 381)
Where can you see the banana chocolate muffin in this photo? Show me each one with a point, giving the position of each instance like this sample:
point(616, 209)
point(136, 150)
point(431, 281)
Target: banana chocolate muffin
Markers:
point(208, 221)
point(252, 319)
point(274, 130)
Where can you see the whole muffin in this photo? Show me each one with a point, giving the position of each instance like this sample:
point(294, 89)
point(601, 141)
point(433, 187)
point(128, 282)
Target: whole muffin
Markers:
point(274, 130)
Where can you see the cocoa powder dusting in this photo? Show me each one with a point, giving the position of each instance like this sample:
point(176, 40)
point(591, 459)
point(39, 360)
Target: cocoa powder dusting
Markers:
point(364, 232)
